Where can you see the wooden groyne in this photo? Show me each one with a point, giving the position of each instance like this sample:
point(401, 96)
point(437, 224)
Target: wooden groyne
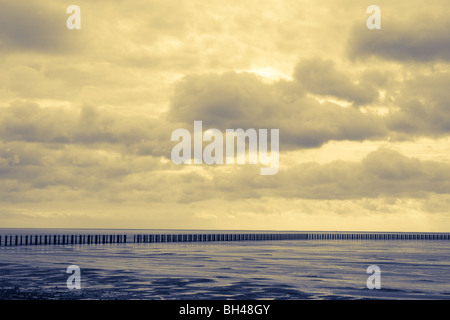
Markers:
point(85, 239)
point(61, 239)
point(150, 238)
point(379, 236)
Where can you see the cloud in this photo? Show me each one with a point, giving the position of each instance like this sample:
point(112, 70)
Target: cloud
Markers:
point(242, 100)
point(79, 174)
point(421, 37)
point(86, 116)
point(386, 164)
point(321, 77)
point(88, 125)
point(40, 172)
point(382, 173)
point(33, 27)
point(422, 106)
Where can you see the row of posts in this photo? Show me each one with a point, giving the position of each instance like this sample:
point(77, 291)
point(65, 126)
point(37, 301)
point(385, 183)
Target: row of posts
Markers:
point(16, 240)
point(61, 239)
point(149, 238)
point(379, 236)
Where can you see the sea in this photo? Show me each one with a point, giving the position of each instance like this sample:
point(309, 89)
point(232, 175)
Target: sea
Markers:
point(236, 270)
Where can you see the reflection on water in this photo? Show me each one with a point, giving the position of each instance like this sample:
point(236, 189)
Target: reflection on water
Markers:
point(223, 270)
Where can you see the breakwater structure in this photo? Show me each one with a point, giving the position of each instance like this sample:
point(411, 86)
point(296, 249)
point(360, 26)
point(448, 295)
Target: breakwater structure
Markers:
point(86, 239)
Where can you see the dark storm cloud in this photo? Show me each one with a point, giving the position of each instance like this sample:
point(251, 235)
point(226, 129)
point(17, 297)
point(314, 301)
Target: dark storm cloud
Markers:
point(233, 100)
point(323, 78)
point(34, 26)
point(423, 37)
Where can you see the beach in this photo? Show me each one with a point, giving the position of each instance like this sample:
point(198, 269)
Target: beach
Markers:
point(285, 269)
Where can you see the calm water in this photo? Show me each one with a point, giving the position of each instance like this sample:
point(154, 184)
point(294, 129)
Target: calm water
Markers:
point(227, 270)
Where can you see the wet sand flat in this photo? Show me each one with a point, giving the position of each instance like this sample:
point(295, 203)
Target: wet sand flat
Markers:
point(237, 271)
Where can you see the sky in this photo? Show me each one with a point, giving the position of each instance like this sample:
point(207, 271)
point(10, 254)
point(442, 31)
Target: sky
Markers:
point(86, 115)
